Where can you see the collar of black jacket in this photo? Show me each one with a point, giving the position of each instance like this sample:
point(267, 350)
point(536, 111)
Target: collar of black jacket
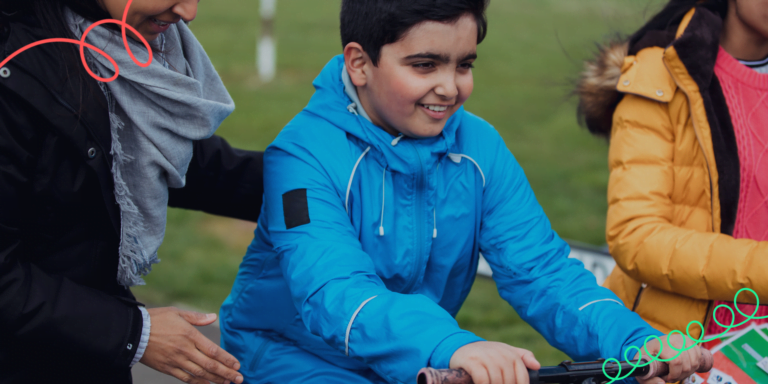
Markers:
point(73, 104)
point(40, 73)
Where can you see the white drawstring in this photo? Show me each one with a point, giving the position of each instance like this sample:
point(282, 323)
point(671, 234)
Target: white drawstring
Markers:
point(352, 177)
point(434, 213)
point(383, 199)
point(434, 210)
point(383, 189)
point(352, 108)
point(456, 158)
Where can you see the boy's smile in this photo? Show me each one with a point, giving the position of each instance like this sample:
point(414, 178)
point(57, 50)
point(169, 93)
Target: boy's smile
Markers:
point(421, 80)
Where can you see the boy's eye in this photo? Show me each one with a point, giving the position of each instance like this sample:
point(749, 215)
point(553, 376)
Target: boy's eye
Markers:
point(466, 65)
point(423, 65)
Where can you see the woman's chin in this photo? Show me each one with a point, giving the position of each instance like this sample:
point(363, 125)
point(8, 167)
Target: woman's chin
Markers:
point(149, 37)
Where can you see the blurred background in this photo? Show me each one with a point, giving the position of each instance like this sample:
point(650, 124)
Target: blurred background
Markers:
point(523, 79)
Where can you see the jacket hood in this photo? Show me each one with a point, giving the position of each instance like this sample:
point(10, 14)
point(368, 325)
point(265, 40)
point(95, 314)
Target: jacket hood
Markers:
point(642, 70)
point(331, 103)
point(596, 89)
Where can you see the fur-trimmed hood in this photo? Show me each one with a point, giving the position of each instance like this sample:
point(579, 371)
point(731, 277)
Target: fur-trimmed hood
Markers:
point(596, 88)
point(638, 67)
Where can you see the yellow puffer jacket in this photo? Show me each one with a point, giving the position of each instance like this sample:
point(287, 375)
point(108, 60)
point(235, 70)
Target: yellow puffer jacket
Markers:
point(674, 176)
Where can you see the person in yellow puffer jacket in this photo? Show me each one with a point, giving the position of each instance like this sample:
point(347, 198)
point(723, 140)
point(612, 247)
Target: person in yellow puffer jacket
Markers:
point(676, 189)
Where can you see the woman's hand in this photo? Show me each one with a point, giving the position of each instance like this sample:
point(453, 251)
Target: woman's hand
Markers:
point(681, 367)
point(176, 348)
point(490, 362)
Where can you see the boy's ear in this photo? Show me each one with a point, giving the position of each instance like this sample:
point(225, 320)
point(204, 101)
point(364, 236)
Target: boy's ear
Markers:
point(357, 62)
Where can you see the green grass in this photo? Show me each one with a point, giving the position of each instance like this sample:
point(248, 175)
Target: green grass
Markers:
point(523, 77)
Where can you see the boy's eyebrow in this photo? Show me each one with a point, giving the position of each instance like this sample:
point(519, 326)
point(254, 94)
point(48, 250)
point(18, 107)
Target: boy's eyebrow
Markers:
point(431, 56)
point(438, 57)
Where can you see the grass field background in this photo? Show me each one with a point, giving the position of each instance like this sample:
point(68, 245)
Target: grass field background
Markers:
point(523, 77)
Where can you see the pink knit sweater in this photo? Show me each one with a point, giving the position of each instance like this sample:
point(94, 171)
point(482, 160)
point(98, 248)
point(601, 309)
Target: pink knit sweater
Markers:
point(746, 93)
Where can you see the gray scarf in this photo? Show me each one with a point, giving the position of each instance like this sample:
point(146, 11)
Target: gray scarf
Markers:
point(155, 114)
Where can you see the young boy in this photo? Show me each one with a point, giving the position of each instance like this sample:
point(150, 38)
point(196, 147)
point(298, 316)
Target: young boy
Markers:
point(380, 196)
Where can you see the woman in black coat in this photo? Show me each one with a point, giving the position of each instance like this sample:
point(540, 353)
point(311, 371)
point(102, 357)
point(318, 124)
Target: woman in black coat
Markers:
point(64, 316)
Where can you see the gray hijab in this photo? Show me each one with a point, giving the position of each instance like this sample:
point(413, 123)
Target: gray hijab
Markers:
point(155, 115)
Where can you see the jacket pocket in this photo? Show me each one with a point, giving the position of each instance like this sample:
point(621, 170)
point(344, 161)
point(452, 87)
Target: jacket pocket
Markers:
point(259, 354)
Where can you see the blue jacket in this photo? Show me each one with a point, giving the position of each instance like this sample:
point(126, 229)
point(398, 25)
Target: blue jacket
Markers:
point(367, 245)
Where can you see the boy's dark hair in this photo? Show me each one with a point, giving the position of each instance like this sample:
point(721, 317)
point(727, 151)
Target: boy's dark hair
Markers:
point(376, 23)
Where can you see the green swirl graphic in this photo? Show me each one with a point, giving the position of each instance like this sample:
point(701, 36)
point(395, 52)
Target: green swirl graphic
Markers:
point(686, 337)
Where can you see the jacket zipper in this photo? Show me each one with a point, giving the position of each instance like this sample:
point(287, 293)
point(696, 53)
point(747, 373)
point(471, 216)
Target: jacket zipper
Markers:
point(709, 173)
point(701, 145)
point(419, 221)
point(637, 298)
point(707, 317)
point(259, 354)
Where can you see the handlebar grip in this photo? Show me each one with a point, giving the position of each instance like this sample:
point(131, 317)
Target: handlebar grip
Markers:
point(661, 369)
point(443, 376)
point(454, 376)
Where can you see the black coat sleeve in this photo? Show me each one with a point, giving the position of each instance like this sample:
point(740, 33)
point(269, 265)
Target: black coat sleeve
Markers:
point(42, 311)
point(223, 181)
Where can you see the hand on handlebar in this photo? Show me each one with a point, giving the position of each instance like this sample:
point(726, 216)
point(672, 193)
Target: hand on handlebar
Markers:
point(492, 362)
point(584, 372)
point(680, 368)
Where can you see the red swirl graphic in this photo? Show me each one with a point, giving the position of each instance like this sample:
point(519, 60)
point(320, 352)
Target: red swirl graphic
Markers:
point(84, 45)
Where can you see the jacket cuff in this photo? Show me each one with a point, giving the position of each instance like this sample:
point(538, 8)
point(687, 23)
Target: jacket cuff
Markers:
point(145, 328)
point(132, 339)
point(638, 342)
point(441, 356)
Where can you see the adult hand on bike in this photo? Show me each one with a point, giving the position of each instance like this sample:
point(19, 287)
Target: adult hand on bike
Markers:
point(489, 362)
point(681, 367)
point(176, 348)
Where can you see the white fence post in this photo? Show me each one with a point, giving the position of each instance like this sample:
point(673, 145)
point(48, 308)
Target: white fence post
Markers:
point(266, 50)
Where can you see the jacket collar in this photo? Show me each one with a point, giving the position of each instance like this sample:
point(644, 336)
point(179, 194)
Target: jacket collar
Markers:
point(41, 71)
point(331, 103)
point(351, 91)
point(58, 93)
point(697, 44)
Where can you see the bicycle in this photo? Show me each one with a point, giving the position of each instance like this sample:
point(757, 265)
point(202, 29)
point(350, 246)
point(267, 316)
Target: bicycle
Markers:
point(568, 372)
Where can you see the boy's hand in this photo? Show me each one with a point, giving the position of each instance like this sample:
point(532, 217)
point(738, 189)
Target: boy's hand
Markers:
point(490, 362)
point(681, 367)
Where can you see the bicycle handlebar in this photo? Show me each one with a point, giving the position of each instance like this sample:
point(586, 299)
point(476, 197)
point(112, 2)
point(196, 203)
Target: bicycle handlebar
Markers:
point(567, 372)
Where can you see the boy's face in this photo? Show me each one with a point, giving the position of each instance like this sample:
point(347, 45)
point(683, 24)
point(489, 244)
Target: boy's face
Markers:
point(421, 80)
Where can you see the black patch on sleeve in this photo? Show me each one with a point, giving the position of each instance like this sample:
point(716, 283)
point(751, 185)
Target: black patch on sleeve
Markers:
point(295, 208)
